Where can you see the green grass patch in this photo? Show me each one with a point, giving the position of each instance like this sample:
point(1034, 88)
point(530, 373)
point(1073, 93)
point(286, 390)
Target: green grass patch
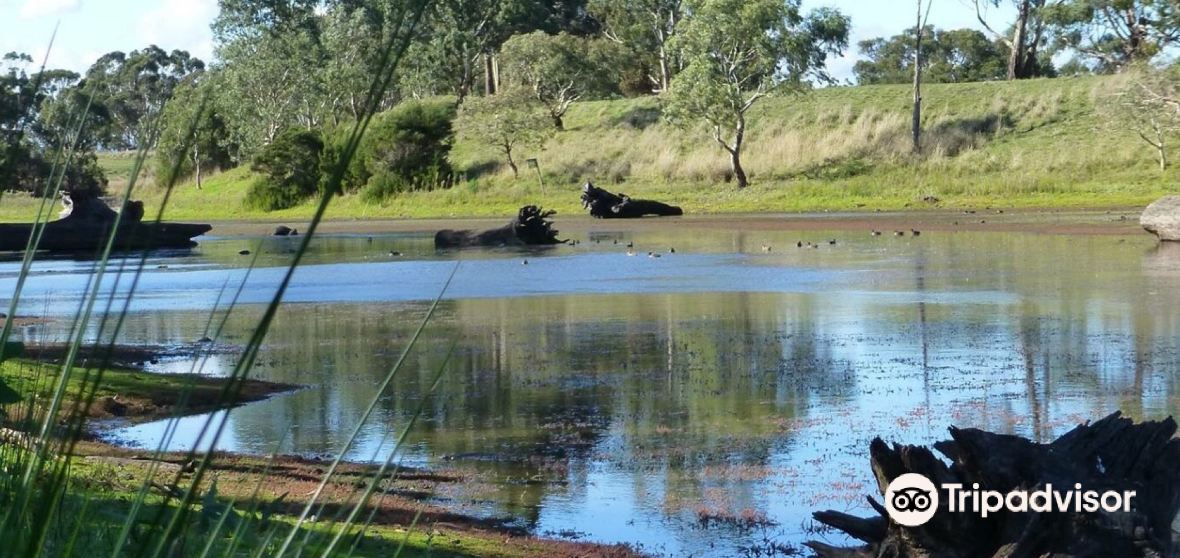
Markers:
point(1033, 144)
point(122, 392)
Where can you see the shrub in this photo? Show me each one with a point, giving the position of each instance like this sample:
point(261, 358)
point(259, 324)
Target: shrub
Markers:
point(335, 141)
point(290, 168)
point(30, 168)
point(84, 175)
point(404, 149)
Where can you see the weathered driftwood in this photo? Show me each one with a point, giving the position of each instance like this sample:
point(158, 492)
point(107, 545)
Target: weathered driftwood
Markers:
point(1110, 454)
point(530, 227)
point(605, 205)
point(87, 223)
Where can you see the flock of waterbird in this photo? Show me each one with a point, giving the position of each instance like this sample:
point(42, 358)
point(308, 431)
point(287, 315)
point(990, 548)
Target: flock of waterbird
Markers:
point(630, 245)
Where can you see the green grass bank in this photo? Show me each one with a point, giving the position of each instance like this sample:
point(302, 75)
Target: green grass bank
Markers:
point(1028, 144)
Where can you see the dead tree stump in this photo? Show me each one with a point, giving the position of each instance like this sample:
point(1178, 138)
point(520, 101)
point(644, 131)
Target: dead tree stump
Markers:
point(531, 227)
point(1110, 454)
point(86, 223)
point(605, 205)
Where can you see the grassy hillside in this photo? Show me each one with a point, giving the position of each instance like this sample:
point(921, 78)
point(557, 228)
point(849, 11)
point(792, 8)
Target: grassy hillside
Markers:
point(1038, 143)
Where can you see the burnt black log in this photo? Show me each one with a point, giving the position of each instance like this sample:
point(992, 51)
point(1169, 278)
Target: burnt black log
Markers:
point(86, 224)
point(531, 227)
point(1111, 454)
point(605, 205)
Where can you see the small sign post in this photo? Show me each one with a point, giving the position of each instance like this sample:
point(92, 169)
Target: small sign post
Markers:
point(533, 164)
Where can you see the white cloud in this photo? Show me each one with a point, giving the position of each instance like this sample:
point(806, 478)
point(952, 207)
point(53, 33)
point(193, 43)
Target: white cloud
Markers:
point(180, 24)
point(33, 9)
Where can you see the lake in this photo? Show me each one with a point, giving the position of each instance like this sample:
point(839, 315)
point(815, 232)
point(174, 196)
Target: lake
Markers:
point(699, 403)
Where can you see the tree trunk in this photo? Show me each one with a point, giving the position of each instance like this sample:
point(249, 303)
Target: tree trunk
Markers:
point(466, 78)
point(1136, 36)
point(735, 164)
point(1159, 143)
point(511, 163)
point(735, 153)
point(197, 163)
point(489, 75)
point(916, 125)
point(664, 79)
point(1016, 62)
point(495, 72)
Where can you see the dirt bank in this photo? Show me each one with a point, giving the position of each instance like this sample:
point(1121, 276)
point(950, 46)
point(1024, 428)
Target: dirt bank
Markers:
point(283, 485)
point(439, 510)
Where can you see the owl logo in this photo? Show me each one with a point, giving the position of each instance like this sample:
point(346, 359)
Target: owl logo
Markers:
point(911, 500)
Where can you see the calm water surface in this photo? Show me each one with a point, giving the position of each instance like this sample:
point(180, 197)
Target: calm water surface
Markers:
point(620, 399)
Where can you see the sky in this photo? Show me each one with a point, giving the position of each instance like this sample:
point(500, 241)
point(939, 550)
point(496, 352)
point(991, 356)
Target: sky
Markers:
point(88, 29)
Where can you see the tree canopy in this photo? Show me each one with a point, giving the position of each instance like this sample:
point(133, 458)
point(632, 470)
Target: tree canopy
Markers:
point(948, 56)
point(559, 69)
point(509, 122)
point(1114, 33)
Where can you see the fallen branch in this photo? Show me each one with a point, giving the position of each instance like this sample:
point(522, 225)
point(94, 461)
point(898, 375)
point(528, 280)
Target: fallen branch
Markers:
point(605, 205)
point(530, 227)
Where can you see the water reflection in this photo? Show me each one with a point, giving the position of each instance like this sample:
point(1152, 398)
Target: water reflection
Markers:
point(715, 383)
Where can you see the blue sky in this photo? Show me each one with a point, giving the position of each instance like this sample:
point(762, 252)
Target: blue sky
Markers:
point(90, 28)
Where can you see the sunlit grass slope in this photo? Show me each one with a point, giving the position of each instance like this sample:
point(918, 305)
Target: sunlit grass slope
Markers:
point(1037, 143)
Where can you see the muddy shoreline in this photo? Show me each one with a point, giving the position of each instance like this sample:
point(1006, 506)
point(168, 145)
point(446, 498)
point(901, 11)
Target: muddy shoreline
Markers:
point(406, 500)
point(426, 501)
point(1113, 221)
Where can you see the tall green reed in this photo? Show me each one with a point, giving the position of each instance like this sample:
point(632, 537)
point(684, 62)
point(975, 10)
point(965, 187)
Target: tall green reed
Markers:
point(45, 481)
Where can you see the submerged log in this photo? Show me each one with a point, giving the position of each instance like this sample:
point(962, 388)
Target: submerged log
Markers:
point(605, 205)
point(1111, 454)
point(531, 227)
point(86, 224)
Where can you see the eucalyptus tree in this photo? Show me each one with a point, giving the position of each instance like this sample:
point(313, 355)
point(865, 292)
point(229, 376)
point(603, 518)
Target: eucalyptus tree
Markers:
point(1146, 102)
point(1025, 36)
point(508, 122)
point(350, 39)
point(739, 51)
point(559, 69)
point(463, 35)
point(916, 114)
point(125, 92)
point(194, 132)
point(1114, 33)
point(645, 28)
point(271, 81)
point(950, 56)
point(34, 131)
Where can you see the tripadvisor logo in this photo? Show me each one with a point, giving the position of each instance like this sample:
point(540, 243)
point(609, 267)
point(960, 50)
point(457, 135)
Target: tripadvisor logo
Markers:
point(912, 499)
